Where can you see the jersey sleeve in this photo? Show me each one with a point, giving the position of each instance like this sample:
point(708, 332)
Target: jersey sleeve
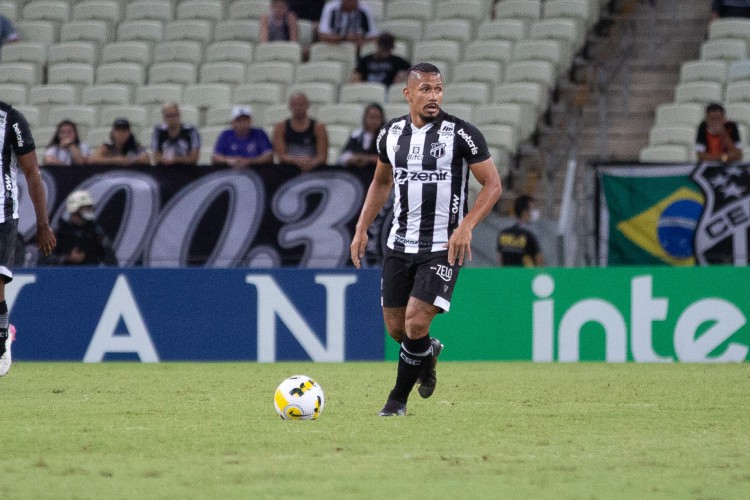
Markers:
point(472, 144)
point(20, 136)
point(381, 141)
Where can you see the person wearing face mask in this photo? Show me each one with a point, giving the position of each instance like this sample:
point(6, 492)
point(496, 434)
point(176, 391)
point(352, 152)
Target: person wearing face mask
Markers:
point(517, 245)
point(718, 139)
point(80, 239)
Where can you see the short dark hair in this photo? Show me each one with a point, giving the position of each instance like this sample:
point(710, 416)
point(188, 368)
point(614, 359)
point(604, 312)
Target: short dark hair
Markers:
point(714, 106)
point(423, 68)
point(522, 204)
point(386, 41)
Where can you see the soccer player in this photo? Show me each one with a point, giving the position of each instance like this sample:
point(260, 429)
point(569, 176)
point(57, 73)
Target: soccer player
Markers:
point(17, 149)
point(426, 157)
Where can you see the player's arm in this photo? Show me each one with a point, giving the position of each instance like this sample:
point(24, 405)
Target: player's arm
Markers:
point(45, 238)
point(377, 195)
point(459, 244)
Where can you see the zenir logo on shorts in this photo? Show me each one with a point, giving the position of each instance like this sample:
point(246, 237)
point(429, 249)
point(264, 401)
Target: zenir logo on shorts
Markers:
point(445, 273)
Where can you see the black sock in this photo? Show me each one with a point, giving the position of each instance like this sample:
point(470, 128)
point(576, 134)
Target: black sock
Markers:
point(3, 325)
point(412, 355)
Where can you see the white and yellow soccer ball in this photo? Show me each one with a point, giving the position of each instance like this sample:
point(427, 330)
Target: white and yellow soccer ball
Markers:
point(299, 398)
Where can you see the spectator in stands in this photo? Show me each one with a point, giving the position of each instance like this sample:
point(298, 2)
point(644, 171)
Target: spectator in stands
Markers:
point(518, 245)
point(242, 146)
point(730, 8)
point(8, 33)
point(718, 139)
point(280, 24)
point(300, 140)
point(347, 21)
point(174, 142)
point(309, 10)
point(361, 150)
point(66, 148)
point(382, 66)
point(122, 148)
point(81, 241)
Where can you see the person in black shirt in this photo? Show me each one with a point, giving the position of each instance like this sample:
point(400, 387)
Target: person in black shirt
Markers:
point(174, 142)
point(383, 66)
point(517, 245)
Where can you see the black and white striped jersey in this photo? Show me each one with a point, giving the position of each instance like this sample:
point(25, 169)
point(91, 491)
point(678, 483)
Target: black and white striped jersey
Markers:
point(431, 178)
point(15, 139)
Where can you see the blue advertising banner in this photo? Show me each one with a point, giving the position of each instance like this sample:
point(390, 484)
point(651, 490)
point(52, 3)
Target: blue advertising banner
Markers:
point(198, 314)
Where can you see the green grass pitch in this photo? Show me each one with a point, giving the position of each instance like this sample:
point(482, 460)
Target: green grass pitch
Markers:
point(491, 430)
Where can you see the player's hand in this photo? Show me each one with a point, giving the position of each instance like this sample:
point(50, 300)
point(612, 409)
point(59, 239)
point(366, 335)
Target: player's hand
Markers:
point(45, 240)
point(357, 248)
point(459, 246)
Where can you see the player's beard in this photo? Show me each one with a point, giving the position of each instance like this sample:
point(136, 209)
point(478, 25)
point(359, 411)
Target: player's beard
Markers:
point(430, 118)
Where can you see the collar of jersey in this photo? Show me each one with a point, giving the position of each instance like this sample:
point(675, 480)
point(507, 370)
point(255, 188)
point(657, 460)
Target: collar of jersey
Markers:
point(427, 127)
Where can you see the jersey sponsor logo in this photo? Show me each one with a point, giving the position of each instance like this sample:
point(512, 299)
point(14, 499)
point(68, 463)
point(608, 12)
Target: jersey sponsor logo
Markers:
point(377, 141)
point(455, 204)
point(404, 241)
point(469, 141)
point(443, 272)
point(396, 130)
point(416, 154)
point(2, 119)
point(8, 182)
point(19, 138)
point(396, 147)
point(401, 176)
point(437, 149)
point(446, 128)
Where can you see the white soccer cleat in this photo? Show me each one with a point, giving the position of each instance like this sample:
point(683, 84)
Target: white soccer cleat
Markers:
point(5, 359)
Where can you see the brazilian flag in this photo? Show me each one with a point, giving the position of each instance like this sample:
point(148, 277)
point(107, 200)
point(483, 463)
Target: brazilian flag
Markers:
point(648, 215)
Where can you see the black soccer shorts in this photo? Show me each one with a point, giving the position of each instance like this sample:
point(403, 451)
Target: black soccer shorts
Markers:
point(8, 232)
point(425, 276)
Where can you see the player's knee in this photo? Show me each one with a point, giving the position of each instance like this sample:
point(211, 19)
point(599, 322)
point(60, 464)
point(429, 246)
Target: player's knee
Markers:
point(417, 326)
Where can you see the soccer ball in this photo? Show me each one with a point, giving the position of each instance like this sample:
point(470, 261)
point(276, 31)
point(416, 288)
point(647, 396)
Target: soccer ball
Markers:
point(299, 398)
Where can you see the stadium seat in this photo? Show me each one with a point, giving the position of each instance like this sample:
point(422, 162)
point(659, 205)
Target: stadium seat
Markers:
point(243, 30)
point(739, 70)
point(40, 95)
point(526, 10)
point(531, 71)
point(33, 116)
point(410, 9)
point(682, 135)
point(362, 93)
point(221, 115)
point(348, 114)
point(46, 10)
point(463, 110)
point(377, 8)
point(320, 71)
point(345, 53)
point(143, 30)
point(97, 10)
point(228, 72)
point(448, 29)
point(317, 92)
point(126, 52)
point(578, 10)
point(395, 109)
point(561, 29)
point(500, 114)
point(137, 115)
point(82, 52)
point(448, 50)
point(124, 73)
point(197, 30)
point(403, 29)
point(248, 9)
point(21, 73)
point(511, 30)
point(664, 154)
point(489, 50)
point(154, 10)
point(729, 27)
point(14, 93)
point(97, 136)
point(207, 95)
point(206, 10)
point(79, 74)
point(699, 92)
point(278, 72)
point(9, 10)
point(84, 116)
point(552, 51)
point(263, 93)
point(704, 71)
point(229, 50)
point(188, 51)
point(305, 32)
point(338, 135)
point(469, 92)
point(400, 48)
point(278, 51)
point(502, 137)
point(43, 135)
point(738, 91)
point(274, 114)
point(725, 49)
point(173, 72)
point(37, 31)
point(29, 52)
point(472, 10)
point(532, 94)
point(158, 94)
point(740, 113)
point(490, 72)
point(107, 94)
point(208, 139)
point(97, 32)
point(688, 113)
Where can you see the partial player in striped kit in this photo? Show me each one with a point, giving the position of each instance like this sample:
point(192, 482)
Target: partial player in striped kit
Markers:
point(426, 157)
point(17, 148)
